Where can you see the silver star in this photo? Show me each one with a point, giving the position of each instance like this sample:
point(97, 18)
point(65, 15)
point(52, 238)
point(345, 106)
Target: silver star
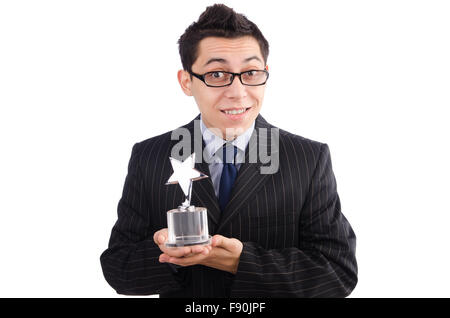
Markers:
point(184, 173)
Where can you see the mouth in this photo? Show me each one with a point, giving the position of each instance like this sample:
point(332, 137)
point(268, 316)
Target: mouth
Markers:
point(236, 112)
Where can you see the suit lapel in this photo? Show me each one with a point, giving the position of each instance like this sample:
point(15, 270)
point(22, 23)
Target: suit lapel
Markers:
point(249, 180)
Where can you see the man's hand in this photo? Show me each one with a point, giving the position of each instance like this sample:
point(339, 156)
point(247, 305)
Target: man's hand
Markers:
point(222, 254)
point(160, 238)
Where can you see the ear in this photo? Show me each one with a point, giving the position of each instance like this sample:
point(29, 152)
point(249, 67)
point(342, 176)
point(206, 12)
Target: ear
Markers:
point(185, 82)
point(267, 68)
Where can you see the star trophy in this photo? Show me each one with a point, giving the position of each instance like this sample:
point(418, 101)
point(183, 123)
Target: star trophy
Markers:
point(187, 225)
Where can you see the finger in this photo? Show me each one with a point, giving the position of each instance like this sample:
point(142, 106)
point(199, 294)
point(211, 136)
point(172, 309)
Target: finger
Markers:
point(164, 258)
point(176, 251)
point(198, 249)
point(206, 251)
point(206, 248)
point(186, 261)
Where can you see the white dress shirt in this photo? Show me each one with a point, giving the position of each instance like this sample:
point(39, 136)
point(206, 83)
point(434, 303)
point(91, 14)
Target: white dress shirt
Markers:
point(214, 143)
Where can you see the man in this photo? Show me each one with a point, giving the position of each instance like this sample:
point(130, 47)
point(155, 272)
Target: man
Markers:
point(277, 228)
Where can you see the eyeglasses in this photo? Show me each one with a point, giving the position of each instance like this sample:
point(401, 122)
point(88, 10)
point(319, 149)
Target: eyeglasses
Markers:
point(222, 78)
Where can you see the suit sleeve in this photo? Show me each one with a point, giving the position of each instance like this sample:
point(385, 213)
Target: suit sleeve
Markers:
point(131, 263)
point(324, 263)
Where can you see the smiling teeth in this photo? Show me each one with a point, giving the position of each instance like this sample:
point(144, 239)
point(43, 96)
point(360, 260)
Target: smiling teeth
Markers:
point(234, 112)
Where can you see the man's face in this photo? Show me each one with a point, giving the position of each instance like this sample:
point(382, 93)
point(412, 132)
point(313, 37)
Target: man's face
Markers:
point(231, 55)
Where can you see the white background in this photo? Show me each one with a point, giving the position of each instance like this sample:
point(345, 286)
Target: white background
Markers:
point(82, 81)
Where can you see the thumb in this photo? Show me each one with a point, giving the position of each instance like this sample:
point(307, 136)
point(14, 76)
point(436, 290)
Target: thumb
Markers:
point(230, 244)
point(159, 237)
point(220, 241)
point(216, 240)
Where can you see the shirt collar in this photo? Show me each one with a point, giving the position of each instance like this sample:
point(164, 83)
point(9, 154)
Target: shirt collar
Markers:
point(214, 142)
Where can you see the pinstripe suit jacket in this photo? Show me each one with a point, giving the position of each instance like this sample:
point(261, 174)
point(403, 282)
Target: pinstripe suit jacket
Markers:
point(296, 241)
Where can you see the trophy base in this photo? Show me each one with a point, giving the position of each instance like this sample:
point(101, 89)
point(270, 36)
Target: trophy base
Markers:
point(188, 241)
point(187, 227)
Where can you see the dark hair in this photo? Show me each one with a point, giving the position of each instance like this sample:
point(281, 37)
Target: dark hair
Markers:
point(218, 21)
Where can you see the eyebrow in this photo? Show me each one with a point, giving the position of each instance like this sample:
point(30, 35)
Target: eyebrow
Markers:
point(223, 61)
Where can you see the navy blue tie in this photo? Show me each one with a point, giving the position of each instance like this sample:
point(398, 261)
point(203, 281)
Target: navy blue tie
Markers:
point(229, 173)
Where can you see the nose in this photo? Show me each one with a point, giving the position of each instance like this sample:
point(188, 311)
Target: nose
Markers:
point(236, 90)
